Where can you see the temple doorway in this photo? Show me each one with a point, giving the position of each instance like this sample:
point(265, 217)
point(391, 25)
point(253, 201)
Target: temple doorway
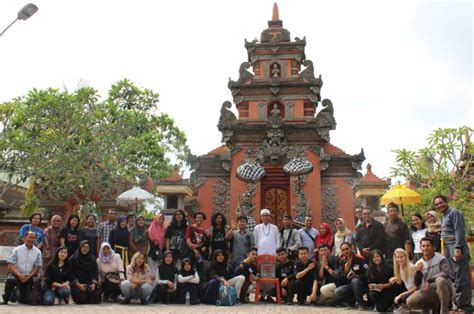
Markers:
point(276, 193)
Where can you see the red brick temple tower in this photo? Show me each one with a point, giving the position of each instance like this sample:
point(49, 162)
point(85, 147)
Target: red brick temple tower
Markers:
point(280, 116)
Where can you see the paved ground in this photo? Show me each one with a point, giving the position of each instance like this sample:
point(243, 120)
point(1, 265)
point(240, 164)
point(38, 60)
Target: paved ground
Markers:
point(112, 308)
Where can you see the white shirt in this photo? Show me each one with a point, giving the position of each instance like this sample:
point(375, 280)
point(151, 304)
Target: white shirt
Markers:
point(266, 238)
point(306, 240)
point(417, 236)
point(410, 281)
point(25, 259)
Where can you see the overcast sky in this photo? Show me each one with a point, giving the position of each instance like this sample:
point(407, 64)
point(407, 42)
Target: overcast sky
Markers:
point(394, 70)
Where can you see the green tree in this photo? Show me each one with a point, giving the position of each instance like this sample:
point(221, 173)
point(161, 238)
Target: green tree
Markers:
point(444, 166)
point(79, 146)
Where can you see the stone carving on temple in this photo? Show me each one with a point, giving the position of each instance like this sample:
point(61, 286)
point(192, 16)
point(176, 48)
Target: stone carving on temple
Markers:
point(325, 120)
point(275, 146)
point(329, 200)
point(226, 122)
point(221, 197)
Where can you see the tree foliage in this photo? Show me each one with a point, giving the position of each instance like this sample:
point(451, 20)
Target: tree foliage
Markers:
point(78, 145)
point(444, 166)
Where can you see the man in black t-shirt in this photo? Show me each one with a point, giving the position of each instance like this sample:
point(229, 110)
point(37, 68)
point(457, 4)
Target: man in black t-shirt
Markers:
point(306, 283)
point(352, 277)
point(285, 272)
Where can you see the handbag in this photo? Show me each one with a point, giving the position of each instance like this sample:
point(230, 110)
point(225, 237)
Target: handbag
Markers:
point(227, 296)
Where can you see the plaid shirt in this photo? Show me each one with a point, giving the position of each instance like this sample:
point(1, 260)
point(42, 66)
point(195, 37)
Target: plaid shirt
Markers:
point(103, 232)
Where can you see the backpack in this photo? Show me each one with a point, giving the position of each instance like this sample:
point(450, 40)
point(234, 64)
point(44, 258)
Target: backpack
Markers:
point(227, 296)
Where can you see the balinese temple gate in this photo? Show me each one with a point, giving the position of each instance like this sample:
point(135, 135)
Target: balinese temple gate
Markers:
point(280, 116)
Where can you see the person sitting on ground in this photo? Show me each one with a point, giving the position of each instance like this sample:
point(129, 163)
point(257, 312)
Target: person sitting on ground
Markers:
point(285, 272)
point(188, 282)
point(58, 277)
point(166, 280)
point(111, 272)
point(220, 274)
point(381, 292)
point(289, 237)
point(34, 226)
point(404, 278)
point(196, 237)
point(353, 282)
point(84, 286)
point(24, 263)
point(432, 279)
point(242, 241)
point(139, 281)
point(247, 268)
point(69, 236)
point(328, 274)
point(306, 283)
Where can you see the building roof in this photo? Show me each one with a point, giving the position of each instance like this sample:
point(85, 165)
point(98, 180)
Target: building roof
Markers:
point(174, 177)
point(370, 177)
point(333, 150)
point(219, 150)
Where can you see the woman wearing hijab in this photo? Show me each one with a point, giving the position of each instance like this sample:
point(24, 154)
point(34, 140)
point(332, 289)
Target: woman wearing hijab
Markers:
point(325, 236)
point(166, 280)
point(119, 239)
point(156, 235)
point(138, 241)
point(84, 287)
point(434, 229)
point(220, 273)
point(51, 238)
point(342, 234)
point(111, 272)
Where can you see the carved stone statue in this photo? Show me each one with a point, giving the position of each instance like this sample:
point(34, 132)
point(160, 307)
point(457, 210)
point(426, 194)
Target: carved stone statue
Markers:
point(246, 205)
point(301, 207)
point(275, 71)
point(325, 119)
point(226, 122)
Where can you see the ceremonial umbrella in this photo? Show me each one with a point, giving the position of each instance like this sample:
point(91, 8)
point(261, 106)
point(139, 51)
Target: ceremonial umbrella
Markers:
point(401, 195)
point(298, 167)
point(250, 172)
point(134, 196)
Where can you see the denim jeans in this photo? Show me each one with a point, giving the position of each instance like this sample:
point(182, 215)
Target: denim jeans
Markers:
point(143, 292)
point(50, 295)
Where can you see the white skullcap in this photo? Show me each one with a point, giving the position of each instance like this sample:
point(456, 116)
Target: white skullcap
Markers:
point(264, 211)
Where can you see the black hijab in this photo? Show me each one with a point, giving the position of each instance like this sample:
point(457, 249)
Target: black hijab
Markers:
point(184, 272)
point(167, 271)
point(219, 269)
point(81, 261)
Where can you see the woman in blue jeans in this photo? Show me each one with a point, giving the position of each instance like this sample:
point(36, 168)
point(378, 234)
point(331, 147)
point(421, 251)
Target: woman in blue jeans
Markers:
point(57, 278)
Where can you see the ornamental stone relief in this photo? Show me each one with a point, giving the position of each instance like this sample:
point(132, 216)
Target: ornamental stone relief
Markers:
point(329, 200)
point(221, 197)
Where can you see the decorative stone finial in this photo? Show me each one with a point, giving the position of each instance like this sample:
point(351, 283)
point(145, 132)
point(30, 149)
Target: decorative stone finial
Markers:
point(369, 167)
point(275, 15)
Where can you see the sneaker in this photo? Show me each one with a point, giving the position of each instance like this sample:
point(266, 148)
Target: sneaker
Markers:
point(126, 301)
point(143, 301)
point(261, 299)
point(269, 299)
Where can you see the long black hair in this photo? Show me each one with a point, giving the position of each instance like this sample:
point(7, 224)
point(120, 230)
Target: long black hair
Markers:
point(55, 260)
point(214, 217)
point(423, 225)
point(373, 272)
point(174, 222)
point(68, 224)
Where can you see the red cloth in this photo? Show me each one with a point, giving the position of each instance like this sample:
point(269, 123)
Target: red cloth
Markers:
point(156, 232)
point(327, 238)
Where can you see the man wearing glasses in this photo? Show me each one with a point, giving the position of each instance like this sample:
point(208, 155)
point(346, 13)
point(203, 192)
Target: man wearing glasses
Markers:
point(456, 251)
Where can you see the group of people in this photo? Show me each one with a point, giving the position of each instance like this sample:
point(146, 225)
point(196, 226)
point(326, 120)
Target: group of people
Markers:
point(379, 266)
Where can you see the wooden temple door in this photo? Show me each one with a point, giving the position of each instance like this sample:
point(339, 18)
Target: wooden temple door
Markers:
point(276, 194)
